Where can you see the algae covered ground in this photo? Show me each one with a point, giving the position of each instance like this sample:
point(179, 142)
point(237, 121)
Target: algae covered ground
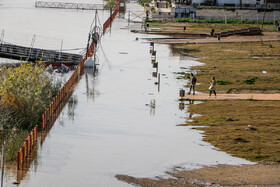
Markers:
point(248, 66)
point(239, 68)
point(225, 125)
point(219, 27)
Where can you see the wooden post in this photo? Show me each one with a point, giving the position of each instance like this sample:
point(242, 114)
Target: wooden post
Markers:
point(264, 14)
point(18, 159)
point(158, 81)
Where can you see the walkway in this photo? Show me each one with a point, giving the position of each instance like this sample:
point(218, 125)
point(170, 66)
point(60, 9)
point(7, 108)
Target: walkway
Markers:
point(266, 97)
point(267, 36)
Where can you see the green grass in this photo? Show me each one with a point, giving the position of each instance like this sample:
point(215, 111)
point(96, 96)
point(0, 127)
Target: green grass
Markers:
point(234, 67)
point(207, 25)
point(261, 144)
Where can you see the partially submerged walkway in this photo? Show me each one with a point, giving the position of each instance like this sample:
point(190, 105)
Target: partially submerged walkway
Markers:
point(267, 36)
point(267, 97)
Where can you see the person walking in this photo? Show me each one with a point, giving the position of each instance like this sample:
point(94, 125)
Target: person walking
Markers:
point(212, 87)
point(193, 82)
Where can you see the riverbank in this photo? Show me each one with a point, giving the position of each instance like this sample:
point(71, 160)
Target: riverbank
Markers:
point(224, 175)
point(247, 129)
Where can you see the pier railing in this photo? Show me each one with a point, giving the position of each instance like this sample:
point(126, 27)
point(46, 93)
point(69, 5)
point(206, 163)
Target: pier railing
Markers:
point(82, 6)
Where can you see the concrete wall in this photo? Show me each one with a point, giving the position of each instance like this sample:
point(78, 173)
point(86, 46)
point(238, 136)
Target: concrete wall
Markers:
point(237, 14)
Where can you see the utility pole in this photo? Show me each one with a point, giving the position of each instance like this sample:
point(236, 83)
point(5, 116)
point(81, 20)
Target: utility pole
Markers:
point(264, 13)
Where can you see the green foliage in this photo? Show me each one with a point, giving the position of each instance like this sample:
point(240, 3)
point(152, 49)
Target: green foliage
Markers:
point(110, 4)
point(229, 21)
point(250, 80)
point(220, 82)
point(14, 142)
point(25, 93)
point(145, 2)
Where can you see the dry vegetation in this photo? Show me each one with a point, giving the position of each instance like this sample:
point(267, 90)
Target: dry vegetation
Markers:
point(229, 120)
point(238, 66)
point(219, 27)
point(235, 65)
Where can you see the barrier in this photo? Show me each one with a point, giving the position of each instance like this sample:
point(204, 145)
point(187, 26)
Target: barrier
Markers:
point(51, 112)
point(27, 146)
point(75, 76)
point(109, 21)
point(64, 91)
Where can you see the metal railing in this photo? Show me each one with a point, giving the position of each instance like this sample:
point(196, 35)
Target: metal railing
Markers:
point(83, 6)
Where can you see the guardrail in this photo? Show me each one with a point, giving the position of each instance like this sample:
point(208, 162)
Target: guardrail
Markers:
point(27, 146)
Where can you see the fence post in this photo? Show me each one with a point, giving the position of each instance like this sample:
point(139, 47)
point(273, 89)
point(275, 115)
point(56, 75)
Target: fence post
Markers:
point(36, 130)
point(18, 160)
point(23, 150)
point(27, 147)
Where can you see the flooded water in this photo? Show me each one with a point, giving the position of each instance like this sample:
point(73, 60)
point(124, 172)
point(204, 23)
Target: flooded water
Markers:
point(112, 129)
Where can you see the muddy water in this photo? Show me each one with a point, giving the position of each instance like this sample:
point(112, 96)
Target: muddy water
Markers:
point(112, 129)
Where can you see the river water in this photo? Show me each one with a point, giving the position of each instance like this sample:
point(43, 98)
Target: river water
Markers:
point(112, 129)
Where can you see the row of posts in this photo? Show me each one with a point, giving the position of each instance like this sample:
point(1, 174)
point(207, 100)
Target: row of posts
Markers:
point(154, 62)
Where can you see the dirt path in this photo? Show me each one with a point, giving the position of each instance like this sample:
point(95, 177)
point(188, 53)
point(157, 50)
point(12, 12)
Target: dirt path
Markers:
point(267, 97)
point(267, 36)
point(224, 175)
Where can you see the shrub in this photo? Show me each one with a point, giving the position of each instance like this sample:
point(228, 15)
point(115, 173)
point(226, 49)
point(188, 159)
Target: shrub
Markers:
point(220, 82)
point(110, 4)
point(25, 93)
point(250, 80)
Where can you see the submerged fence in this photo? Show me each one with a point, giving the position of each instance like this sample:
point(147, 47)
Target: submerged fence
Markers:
point(109, 21)
point(62, 95)
point(27, 146)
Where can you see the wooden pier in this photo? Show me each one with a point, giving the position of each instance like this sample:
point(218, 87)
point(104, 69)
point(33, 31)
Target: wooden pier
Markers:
point(62, 5)
point(8, 50)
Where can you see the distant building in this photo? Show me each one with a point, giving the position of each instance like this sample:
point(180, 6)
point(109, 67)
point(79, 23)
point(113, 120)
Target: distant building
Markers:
point(185, 13)
point(162, 9)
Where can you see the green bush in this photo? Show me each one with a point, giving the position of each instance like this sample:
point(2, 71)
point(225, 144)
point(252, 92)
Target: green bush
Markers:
point(145, 2)
point(25, 93)
point(220, 82)
point(250, 80)
point(110, 4)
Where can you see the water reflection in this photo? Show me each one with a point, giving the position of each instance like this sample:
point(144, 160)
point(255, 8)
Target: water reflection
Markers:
point(152, 107)
point(90, 78)
point(181, 106)
point(72, 105)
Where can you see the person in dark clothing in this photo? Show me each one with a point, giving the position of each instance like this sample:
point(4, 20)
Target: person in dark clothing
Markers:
point(193, 82)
